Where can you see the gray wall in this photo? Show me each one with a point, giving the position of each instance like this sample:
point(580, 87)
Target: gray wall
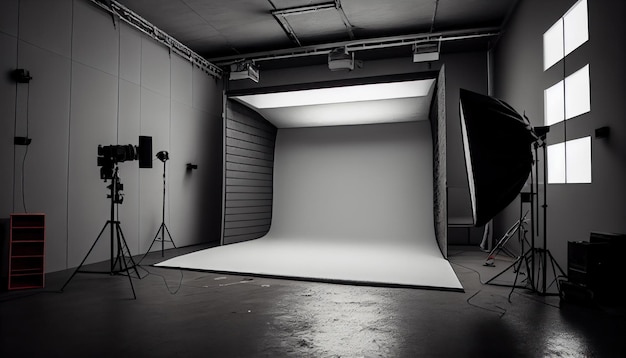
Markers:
point(99, 83)
point(248, 174)
point(574, 210)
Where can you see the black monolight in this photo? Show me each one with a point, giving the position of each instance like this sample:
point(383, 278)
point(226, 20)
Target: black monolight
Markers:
point(498, 153)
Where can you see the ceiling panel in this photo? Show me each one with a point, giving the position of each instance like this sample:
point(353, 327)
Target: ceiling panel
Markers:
point(218, 28)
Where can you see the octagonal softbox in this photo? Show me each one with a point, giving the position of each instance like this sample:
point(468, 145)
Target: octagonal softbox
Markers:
point(498, 153)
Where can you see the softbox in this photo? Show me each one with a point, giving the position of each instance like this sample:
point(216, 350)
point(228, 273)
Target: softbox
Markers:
point(498, 153)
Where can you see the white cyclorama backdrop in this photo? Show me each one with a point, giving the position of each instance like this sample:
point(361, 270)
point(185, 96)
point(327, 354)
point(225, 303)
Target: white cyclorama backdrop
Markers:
point(351, 203)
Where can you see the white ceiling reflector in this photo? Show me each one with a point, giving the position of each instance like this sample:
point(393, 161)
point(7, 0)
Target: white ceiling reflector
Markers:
point(356, 93)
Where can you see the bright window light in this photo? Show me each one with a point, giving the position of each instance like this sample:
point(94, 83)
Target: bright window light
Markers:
point(577, 93)
point(578, 160)
point(357, 93)
point(575, 27)
point(570, 162)
point(566, 35)
point(553, 99)
point(556, 163)
point(553, 45)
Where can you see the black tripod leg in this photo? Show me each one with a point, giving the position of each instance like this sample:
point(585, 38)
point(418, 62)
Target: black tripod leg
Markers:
point(120, 238)
point(170, 235)
point(85, 258)
point(152, 244)
point(556, 277)
point(130, 256)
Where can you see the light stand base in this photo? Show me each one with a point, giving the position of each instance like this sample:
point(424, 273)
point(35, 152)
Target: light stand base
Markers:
point(162, 229)
point(120, 259)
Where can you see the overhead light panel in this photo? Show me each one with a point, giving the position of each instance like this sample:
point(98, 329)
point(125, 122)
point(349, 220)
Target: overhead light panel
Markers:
point(426, 52)
point(356, 93)
point(340, 59)
point(244, 70)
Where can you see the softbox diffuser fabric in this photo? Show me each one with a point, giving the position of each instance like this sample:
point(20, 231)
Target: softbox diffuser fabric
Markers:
point(498, 153)
point(351, 204)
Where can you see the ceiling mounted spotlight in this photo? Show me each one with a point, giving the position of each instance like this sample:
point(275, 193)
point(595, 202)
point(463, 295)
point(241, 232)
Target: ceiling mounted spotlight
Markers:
point(244, 70)
point(426, 51)
point(339, 59)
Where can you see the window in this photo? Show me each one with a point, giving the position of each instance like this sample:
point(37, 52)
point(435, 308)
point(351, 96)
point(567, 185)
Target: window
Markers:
point(569, 98)
point(567, 34)
point(570, 162)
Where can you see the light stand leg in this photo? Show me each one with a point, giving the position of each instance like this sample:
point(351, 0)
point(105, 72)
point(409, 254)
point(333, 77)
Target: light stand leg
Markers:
point(85, 258)
point(120, 252)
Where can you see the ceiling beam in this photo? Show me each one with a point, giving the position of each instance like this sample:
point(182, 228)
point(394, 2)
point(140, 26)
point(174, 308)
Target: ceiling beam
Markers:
point(360, 45)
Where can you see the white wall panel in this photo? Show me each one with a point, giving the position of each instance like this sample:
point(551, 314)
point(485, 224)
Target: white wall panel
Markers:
point(8, 16)
point(93, 117)
point(184, 185)
point(155, 67)
point(46, 163)
point(155, 114)
point(47, 24)
point(8, 48)
point(95, 39)
point(206, 92)
point(182, 81)
point(130, 54)
point(128, 133)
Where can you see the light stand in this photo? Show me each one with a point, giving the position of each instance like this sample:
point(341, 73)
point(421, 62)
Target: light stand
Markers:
point(116, 239)
point(163, 156)
point(534, 253)
point(534, 256)
point(543, 253)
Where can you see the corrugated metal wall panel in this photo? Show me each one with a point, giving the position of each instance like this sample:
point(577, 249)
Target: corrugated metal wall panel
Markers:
point(248, 174)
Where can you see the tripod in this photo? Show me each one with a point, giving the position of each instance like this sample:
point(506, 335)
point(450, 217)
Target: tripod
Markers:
point(163, 156)
point(535, 255)
point(116, 240)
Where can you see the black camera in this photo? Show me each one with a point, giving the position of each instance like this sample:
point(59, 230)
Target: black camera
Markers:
point(116, 153)
point(109, 155)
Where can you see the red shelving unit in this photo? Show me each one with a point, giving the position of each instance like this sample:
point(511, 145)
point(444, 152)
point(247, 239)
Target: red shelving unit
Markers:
point(27, 251)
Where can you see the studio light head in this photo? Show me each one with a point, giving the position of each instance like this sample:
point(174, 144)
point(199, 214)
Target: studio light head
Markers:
point(163, 155)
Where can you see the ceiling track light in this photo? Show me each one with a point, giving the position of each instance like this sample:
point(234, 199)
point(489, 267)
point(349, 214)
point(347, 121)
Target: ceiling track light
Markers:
point(244, 70)
point(426, 51)
point(339, 59)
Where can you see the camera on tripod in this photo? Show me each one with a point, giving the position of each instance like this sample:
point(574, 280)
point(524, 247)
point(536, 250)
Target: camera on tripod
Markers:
point(110, 155)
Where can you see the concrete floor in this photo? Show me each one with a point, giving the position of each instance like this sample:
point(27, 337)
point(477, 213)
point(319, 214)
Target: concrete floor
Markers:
point(199, 314)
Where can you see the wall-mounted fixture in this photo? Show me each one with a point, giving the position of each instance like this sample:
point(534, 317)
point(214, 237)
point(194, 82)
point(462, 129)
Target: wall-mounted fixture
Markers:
point(603, 132)
point(191, 167)
point(21, 75)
